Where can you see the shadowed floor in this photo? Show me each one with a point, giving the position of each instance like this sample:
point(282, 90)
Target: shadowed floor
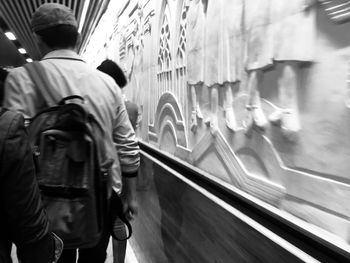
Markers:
point(130, 257)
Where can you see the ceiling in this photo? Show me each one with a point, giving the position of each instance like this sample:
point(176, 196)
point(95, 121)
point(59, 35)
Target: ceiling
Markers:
point(9, 55)
point(16, 15)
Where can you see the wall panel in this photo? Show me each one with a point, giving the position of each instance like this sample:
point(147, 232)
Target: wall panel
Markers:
point(255, 93)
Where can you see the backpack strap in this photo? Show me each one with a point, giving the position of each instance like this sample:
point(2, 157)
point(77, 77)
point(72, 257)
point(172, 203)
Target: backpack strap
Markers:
point(41, 82)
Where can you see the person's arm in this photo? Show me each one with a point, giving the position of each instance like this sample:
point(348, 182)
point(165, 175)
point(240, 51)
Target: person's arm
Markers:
point(22, 206)
point(128, 197)
point(128, 153)
point(19, 93)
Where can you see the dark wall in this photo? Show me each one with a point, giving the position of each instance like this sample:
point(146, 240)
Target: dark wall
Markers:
point(178, 224)
point(9, 55)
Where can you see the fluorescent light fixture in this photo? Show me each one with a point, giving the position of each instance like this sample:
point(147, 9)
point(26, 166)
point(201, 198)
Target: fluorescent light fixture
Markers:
point(10, 35)
point(29, 60)
point(83, 15)
point(22, 51)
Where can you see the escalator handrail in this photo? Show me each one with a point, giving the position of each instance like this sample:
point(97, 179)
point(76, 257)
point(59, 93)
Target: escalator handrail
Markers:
point(314, 240)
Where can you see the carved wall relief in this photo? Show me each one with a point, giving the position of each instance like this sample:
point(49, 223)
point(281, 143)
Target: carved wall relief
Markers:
point(165, 61)
point(241, 65)
point(136, 49)
point(223, 50)
point(169, 116)
point(122, 44)
point(259, 48)
point(214, 153)
point(293, 44)
point(171, 59)
point(347, 98)
point(195, 56)
point(180, 60)
point(274, 35)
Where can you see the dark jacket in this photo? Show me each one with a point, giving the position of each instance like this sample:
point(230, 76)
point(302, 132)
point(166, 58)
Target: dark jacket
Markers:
point(23, 220)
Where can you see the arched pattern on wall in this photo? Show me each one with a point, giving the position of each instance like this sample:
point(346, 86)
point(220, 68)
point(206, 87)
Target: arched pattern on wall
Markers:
point(180, 59)
point(169, 115)
point(164, 60)
point(171, 57)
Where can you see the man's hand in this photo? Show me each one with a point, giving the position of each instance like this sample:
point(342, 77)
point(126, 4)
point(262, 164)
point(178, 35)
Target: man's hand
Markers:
point(128, 197)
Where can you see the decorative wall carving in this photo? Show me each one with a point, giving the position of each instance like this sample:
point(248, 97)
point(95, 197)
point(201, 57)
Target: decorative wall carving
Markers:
point(167, 112)
point(195, 24)
point(180, 60)
point(347, 98)
point(165, 59)
point(240, 66)
point(274, 35)
point(236, 173)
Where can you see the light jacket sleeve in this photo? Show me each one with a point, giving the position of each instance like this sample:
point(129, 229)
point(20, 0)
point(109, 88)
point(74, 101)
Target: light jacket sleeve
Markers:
point(125, 140)
point(20, 94)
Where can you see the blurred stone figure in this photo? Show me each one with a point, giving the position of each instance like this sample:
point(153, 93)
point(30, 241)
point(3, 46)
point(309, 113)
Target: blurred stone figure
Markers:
point(195, 56)
point(283, 32)
point(223, 47)
point(259, 53)
point(135, 69)
point(294, 42)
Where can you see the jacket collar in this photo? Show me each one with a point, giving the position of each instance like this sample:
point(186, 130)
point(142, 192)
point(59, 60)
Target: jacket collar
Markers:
point(63, 53)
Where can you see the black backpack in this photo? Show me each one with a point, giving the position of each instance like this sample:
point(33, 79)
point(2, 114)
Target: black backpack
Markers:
point(72, 169)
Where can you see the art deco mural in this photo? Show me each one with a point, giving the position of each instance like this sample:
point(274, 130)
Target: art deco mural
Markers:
point(253, 92)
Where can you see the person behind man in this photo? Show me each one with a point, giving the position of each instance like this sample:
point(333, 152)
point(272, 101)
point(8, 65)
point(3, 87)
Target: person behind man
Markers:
point(56, 32)
point(23, 220)
point(3, 75)
point(112, 69)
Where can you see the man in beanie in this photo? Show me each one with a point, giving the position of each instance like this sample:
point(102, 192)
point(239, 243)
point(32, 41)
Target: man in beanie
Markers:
point(56, 31)
point(112, 69)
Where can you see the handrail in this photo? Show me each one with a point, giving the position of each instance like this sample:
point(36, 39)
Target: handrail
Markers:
point(316, 242)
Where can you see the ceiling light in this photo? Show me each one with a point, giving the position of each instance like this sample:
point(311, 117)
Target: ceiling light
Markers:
point(22, 51)
point(29, 60)
point(10, 35)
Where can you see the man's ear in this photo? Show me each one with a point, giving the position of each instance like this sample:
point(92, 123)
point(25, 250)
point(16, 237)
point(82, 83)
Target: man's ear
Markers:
point(79, 40)
point(44, 49)
point(37, 38)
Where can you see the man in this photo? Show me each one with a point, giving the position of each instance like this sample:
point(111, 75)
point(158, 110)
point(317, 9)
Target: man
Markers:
point(112, 69)
point(22, 217)
point(23, 220)
point(3, 75)
point(55, 29)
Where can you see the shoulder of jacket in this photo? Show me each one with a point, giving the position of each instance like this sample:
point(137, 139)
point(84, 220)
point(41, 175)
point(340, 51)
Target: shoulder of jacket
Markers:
point(9, 121)
point(19, 73)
